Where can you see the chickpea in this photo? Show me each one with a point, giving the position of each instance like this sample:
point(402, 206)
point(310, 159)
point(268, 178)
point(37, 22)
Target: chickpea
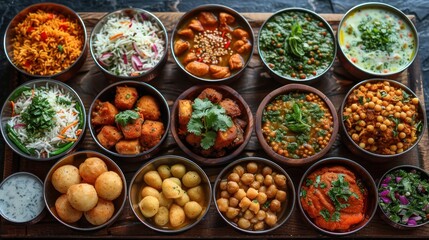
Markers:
point(251, 193)
point(275, 205)
point(234, 177)
point(232, 212)
point(232, 187)
point(355, 137)
point(222, 204)
point(224, 194)
point(402, 135)
point(259, 178)
point(383, 127)
point(399, 145)
point(280, 180)
point(240, 194)
point(377, 108)
point(371, 105)
point(261, 215)
point(222, 184)
point(259, 226)
point(252, 167)
point(371, 140)
point(268, 180)
point(248, 214)
point(255, 185)
point(415, 101)
point(262, 189)
point(272, 191)
point(233, 202)
point(239, 170)
point(261, 197)
point(243, 223)
point(247, 178)
point(400, 126)
point(244, 203)
point(267, 171)
point(380, 119)
point(281, 195)
point(271, 219)
point(370, 128)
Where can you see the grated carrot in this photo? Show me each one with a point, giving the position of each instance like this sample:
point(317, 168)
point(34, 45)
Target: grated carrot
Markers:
point(68, 126)
point(116, 36)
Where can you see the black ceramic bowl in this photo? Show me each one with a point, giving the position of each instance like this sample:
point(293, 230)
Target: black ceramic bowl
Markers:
point(13, 127)
point(318, 182)
point(409, 184)
point(304, 42)
point(128, 48)
point(224, 32)
point(381, 120)
point(65, 72)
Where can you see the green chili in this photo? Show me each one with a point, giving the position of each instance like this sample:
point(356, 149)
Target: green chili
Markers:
point(16, 141)
point(62, 149)
point(18, 92)
point(79, 109)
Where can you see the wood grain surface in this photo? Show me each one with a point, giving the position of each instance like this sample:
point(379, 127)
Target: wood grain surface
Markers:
point(253, 85)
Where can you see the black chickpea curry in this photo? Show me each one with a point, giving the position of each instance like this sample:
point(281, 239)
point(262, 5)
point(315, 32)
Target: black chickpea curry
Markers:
point(213, 45)
point(297, 124)
point(129, 124)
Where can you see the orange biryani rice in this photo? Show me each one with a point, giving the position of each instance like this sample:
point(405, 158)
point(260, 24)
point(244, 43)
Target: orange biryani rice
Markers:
point(46, 43)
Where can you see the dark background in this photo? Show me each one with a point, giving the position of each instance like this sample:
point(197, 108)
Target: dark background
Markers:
point(419, 8)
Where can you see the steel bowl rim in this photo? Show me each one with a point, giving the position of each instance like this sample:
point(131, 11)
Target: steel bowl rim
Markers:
point(329, 29)
point(104, 19)
point(163, 104)
point(395, 11)
point(50, 82)
point(344, 162)
point(31, 8)
point(295, 87)
point(197, 10)
point(265, 161)
point(186, 161)
point(104, 158)
point(364, 151)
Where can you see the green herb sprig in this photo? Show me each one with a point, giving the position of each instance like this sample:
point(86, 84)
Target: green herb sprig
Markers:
point(295, 121)
point(294, 41)
point(39, 115)
point(125, 117)
point(206, 119)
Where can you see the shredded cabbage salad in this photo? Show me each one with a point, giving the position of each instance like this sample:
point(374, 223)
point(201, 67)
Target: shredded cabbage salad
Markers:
point(129, 46)
point(45, 120)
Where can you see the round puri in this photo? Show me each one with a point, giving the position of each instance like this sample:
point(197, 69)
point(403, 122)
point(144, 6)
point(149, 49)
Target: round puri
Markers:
point(109, 185)
point(91, 168)
point(65, 211)
point(65, 176)
point(82, 196)
point(101, 213)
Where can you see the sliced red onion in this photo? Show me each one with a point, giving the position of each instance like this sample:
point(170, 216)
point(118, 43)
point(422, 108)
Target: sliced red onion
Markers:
point(143, 16)
point(387, 180)
point(403, 200)
point(386, 199)
point(396, 195)
point(19, 125)
point(384, 193)
point(398, 179)
point(136, 48)
point(137, 64)
point(411, 222)
point(155, 49)
point(131, 22)
point(105, 56)
point(384, 185)
point(124, 57)
point(416, 218)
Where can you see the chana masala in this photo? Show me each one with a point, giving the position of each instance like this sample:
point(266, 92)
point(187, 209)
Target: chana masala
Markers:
point(382, 118)
point(252, 196)
point(213, 45)
point(297, 124)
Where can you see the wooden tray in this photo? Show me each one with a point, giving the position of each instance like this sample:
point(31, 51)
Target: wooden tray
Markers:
point(253, 85)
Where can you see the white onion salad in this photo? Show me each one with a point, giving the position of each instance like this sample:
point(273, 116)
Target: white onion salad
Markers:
point(129, 46)
point(46, 120)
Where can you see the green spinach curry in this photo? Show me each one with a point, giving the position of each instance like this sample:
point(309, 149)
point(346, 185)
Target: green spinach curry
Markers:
point(297, 125)
point(296, 45)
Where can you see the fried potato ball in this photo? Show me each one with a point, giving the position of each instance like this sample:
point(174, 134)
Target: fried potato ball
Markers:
point(109, 185)
point(91, 168)
point(82, 196)
point(65, 211)
point(65, 176)
point(101, 213)
point(149, 206)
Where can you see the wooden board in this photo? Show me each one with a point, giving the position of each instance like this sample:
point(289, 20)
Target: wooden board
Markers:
point(253, 86)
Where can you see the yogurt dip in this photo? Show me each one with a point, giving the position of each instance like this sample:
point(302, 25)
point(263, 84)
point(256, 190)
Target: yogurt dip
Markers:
point(21, 197)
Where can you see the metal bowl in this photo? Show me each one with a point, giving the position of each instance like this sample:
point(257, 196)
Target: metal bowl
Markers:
point(150, 73)
point(6, 114)
point(308, 78)
point(292, 88)
point(108, 94)
point(371, 155)
point(66, 73)
point(76, 159)
point(138, 182)
point(365, 180)
point(22, 190)
point(287, 206)
point(360, 72)
point(216, 8)
point(424, 175)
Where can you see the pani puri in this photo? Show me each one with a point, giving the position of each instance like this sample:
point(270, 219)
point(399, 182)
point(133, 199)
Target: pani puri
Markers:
point(65, 211)
point(65, 176)
point(101, 213)
point(109, 185)
point(91, 168)
point(82, 196)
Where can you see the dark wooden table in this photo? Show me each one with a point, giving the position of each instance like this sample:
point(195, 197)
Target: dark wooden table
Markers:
point(253, 86)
